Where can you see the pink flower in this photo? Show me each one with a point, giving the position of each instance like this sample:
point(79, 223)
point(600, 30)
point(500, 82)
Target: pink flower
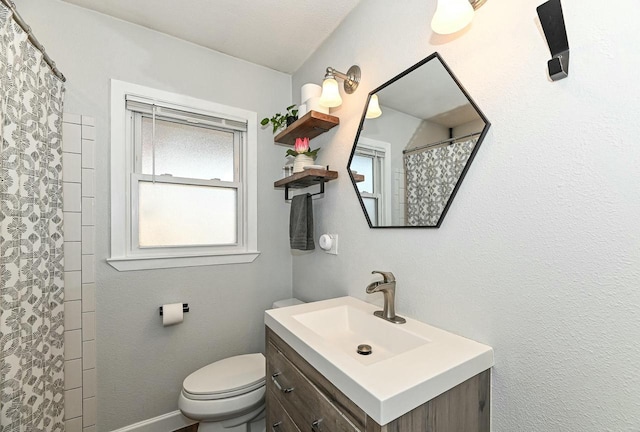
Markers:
point(302, 145)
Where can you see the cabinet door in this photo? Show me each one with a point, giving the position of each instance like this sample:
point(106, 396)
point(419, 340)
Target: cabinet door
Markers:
point(277, 418)
point(308, 407)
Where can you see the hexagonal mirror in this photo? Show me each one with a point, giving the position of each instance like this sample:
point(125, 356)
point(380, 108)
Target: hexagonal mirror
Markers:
point(417, 138)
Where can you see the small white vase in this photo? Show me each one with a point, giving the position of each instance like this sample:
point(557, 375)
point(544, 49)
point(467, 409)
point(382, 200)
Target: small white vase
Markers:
point(301, 161)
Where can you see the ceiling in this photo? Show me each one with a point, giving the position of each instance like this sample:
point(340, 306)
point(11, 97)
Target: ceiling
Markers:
point(279, 34)
point(430, 93)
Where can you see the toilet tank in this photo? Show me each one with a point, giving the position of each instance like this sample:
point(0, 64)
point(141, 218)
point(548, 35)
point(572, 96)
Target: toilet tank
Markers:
point(286, 302)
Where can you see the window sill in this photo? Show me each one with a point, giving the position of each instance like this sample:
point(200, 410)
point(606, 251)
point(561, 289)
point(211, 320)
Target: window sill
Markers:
point(149, 263)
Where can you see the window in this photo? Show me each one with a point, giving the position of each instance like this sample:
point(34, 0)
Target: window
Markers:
point(183, 181)
point(372, 159)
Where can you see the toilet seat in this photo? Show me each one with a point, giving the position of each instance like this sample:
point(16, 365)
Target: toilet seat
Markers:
point(221, 409)
point(226, 378)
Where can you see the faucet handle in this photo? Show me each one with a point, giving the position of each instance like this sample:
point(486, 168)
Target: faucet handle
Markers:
point(386, 276)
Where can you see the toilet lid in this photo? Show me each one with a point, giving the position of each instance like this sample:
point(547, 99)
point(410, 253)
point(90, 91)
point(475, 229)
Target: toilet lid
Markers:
point(233, 375)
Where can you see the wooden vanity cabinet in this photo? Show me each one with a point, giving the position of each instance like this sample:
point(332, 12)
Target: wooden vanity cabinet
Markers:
point(300, 399)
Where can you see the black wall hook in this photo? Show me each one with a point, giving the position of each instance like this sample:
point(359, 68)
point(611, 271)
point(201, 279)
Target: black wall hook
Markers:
point(552, 20)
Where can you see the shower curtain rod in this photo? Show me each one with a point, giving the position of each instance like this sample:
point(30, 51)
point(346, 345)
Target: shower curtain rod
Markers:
point(440, 142)
point(16, 16)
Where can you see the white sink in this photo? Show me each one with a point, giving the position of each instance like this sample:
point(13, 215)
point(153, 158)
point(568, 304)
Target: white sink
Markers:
point(345, 327)
point(409, 365)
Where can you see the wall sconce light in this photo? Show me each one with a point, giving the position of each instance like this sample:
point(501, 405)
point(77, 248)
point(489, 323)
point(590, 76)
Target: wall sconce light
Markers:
point(330, 96)
point(373, 109)
point(453, 15)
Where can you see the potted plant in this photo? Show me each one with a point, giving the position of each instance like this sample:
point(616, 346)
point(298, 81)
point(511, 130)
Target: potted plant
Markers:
point(280, 121)
point(302, 154)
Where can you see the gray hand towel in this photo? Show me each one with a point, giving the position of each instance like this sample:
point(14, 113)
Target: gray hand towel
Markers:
point(301, 223)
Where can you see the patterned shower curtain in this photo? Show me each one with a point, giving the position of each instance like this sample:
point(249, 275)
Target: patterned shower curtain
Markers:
point(31, 264)
point(431, 175)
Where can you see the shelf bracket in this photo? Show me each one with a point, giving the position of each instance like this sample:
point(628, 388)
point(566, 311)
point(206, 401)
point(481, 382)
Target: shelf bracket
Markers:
point(286, 191)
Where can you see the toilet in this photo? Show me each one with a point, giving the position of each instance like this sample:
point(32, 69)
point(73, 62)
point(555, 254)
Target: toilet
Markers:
point(228, 395)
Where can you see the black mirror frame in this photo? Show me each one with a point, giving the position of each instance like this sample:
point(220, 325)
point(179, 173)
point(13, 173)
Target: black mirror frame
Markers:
point(435, 55)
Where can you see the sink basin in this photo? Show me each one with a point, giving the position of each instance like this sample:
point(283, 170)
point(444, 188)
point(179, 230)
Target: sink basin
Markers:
point(409, 364)
point(346, 327)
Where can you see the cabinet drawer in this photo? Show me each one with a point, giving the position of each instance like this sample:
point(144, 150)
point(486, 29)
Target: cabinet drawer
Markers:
point(307, 406)
point(277, 418)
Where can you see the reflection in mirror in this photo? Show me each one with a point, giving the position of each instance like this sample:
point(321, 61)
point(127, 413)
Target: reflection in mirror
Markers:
point(408, 162)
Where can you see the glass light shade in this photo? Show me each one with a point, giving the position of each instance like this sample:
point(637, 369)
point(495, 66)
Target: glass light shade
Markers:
point(373, 110)
point(330, 96)
point(452, 16)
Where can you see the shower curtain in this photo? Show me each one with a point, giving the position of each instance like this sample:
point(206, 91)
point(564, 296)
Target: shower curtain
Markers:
point(31, 262)
point(430, 177)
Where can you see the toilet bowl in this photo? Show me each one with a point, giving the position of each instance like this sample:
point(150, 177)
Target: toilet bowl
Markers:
point(228, 395)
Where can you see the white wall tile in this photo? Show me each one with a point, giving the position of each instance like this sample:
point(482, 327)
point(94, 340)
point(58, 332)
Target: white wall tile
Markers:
point(72, 197)
point(88, 120)
point(72, 374)
point(71, 167)
point(72, 286)
point(73, 425)
point(73, 403)
point(72, 256)
point(88, 182)
point(79, 194)
point(88, 297)
point(72, 315)
point(89, 355)
point(88, 154)
point(71, 138)
point(88, 240)
point(88, 326)
point(89, 412)
point(88, 268)
point(72, 205)
point(71, 118)
point(88, 132)
point(88, 211)
point(72, 344)
point(72, 224)
point(89, 383)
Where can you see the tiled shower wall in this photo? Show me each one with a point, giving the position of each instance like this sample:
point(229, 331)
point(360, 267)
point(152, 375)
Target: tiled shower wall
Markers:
point(399, 198)
point(78, 165)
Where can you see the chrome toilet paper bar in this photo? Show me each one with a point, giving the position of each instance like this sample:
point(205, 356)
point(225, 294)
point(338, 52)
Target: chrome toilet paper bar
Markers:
point(185, 308)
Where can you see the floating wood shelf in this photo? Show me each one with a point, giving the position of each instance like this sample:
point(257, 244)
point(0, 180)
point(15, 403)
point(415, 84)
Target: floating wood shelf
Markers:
point(305, 179)
point(310, 125)
point(358, 177)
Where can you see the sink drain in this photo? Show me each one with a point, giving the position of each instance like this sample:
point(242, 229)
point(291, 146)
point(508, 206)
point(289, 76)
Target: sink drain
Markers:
point(364, 349)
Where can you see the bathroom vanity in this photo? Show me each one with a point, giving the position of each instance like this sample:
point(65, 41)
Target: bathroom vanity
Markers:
point(417, 379)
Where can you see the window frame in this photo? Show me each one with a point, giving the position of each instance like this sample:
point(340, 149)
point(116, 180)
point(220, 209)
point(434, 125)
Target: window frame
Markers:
point(124, 254)
point(380, 153)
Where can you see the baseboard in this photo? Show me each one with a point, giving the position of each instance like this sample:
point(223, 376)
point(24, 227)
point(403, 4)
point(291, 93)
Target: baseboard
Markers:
point(165, 423)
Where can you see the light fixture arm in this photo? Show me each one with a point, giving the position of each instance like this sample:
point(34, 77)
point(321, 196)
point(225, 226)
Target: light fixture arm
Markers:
point(351, 78)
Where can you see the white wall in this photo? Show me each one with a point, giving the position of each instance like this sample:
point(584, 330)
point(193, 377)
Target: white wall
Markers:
point(140, 364)
point(539, 255)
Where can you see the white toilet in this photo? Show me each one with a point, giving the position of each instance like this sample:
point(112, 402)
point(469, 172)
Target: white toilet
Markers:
point(228, 395)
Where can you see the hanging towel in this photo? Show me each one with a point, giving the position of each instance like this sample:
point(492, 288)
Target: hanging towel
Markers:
point(301, 223)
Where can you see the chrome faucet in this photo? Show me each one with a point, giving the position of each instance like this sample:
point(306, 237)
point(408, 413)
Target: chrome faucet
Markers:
point(388, 288)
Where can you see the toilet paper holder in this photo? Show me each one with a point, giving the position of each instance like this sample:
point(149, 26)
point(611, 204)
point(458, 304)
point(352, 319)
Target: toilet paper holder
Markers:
point(185, 308)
